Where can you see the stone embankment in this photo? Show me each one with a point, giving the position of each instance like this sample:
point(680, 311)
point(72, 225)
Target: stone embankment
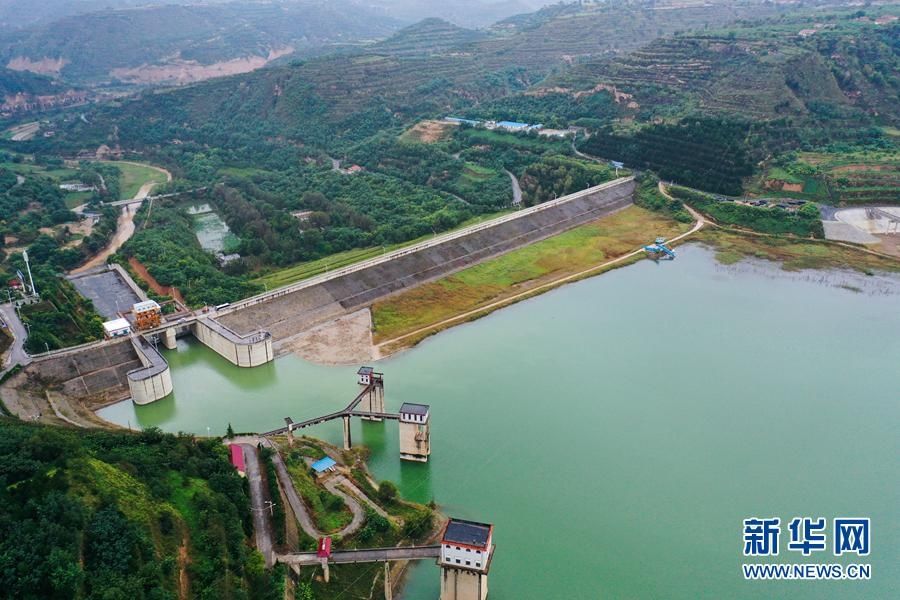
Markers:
point(292, 310)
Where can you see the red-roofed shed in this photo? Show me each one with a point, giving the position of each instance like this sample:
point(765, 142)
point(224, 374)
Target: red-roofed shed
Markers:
point(237, 458)
point(324, 548)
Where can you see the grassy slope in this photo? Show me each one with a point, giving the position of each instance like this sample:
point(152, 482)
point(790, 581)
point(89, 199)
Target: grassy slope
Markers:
point(517, 271)
point(794, 253)
point(305, 270)
point(134, 176)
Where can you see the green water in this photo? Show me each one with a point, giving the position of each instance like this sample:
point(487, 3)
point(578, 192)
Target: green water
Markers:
point(211, 231)
point(618, 430)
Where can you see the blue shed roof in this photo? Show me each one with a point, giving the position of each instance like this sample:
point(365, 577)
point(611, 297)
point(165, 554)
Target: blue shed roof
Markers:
point(323, 464)
point(512, 124)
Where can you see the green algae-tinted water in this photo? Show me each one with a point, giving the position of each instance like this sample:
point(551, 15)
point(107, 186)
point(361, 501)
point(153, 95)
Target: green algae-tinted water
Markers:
point(211, 231)
point(617, 431)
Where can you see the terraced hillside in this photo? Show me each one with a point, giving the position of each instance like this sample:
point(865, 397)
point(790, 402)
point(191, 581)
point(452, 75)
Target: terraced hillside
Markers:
point(840, 66)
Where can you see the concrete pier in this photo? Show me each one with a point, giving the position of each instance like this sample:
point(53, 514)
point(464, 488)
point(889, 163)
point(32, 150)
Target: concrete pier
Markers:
point(347, 440)
point(249, 350)
point(373, 401)
point(415, 432)
point(154, 380)
point(168, 339)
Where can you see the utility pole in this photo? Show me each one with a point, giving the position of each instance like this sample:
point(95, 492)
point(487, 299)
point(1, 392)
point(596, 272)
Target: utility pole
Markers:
point(28, 267)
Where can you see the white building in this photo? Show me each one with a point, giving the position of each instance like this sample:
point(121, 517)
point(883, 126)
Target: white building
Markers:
point(465, 559)
point(116, 328)
point(364, 375)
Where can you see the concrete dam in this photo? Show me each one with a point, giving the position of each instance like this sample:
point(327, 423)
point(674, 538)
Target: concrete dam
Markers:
point(243, 333)
point(296, 308)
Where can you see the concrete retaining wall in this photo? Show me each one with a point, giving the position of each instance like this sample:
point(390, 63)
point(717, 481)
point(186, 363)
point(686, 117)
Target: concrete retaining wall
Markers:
point(290, 311)
point(91, 370)
point(153, 380)
point(242, 350)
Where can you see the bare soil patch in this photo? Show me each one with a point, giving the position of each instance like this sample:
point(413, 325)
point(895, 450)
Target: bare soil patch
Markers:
point(153, 284)
point(792, 187)
point(861, 167)
point(346, 340)
point(430, 131)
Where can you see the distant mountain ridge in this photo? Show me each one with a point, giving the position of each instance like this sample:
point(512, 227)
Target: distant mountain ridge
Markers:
point(173, 43)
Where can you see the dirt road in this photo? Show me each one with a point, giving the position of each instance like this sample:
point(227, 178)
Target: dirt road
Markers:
point(124, 231)
point(125, 227)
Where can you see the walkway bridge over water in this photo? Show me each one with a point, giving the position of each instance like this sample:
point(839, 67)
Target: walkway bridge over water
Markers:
point(414, 427)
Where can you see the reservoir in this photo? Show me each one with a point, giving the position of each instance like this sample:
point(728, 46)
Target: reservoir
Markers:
point(618, 430)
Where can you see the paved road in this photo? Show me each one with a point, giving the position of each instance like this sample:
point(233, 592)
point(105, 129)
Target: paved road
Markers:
point(359, 514)
point(517, 190)
point(297, 506)
point(262, 528)
point(16, 353)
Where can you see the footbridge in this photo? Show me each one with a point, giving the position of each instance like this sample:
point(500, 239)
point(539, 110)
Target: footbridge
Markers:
point(367, 555)
point(414, 424)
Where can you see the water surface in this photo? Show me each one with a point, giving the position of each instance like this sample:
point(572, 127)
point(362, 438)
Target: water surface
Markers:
point(618, 430)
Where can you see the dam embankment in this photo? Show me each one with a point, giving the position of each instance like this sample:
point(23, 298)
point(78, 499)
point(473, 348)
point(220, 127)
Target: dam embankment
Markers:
point(294, 309)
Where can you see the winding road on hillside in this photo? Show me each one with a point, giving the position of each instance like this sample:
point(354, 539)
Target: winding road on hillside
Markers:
point(516, 188)
point(699, 223)
point(298, 507)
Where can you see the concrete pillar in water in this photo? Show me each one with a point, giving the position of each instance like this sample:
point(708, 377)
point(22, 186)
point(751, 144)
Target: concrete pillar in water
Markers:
point(347, 440)
point(374, 400)
point(415, 432)
point(168, 339)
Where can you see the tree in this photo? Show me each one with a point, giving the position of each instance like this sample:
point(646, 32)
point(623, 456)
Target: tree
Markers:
point(387, 492)
point(229, 433)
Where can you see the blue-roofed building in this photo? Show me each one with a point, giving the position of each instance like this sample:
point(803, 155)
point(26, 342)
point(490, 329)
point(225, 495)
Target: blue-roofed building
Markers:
point(324, 465)
point(513, 125)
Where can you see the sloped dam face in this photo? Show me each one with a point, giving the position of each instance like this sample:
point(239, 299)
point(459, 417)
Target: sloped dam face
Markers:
point(617, 431)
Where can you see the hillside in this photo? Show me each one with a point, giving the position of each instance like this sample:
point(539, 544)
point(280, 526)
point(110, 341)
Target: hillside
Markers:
point(766, 69)
point(99, 514)
point(23, 92)
point(180, 44)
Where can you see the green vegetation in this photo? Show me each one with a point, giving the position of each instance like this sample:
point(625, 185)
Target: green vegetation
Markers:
point(62, 318)
point(794, 254)
point(329, 512)
point(133, 176)
point(710, 154)
point(804, 221)
point(207, 34)
point(407, 522)
point(556, 176)
point(564, 254)
point(97, 514)
point(165, 243)
point(848, 176)
point(648, 196)
point(278, 515)
point(305, 270)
